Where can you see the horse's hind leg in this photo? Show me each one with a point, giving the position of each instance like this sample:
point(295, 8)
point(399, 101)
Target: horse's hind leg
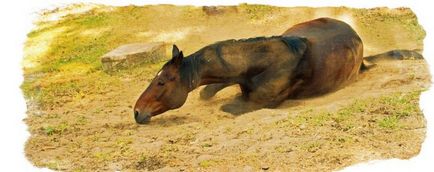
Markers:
point(270, 89)
point(210, 90)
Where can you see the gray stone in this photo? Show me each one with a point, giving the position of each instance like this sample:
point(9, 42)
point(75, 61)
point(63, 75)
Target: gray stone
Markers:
point(134, 54)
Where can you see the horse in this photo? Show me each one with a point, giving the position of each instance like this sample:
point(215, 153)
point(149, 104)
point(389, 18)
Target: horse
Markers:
point(309, 59)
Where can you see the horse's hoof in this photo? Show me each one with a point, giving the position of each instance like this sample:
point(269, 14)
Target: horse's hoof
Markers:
point(206, 94)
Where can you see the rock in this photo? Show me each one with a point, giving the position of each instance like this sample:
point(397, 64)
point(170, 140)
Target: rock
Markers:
point(134, 54)
point(265, 167)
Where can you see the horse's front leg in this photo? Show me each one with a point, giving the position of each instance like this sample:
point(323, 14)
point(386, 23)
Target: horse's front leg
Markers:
point(211, 90)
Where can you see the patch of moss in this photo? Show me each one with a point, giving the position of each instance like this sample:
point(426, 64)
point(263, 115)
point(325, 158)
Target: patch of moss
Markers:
point(207, 163)
point(55, 129)
point(149, 162)
point(389, 122)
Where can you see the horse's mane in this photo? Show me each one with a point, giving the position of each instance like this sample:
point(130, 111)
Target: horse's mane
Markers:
point(229, 41)
point(254, 39)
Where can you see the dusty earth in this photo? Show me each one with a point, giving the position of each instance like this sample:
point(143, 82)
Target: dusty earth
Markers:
point(81, 119)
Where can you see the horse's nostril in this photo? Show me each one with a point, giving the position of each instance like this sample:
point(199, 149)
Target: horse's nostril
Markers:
point(136, 114)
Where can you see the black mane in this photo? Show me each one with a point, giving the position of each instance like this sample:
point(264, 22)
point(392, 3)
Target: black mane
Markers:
point(255, 39)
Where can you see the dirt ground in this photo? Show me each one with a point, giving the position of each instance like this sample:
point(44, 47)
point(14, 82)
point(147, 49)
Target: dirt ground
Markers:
point(89, 125)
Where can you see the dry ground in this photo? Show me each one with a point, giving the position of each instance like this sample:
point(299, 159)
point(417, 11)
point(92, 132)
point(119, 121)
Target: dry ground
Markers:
point(80, 118)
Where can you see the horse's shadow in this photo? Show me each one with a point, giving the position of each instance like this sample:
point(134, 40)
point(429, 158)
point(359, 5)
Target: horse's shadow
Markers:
point(236, 106)
point(239, 106)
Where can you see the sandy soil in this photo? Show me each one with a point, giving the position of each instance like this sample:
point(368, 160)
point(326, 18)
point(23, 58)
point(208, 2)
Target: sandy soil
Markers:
point(199, 136)
point(377, 117)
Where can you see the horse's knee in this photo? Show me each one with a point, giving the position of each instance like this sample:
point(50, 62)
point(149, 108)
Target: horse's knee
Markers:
point(260, 97)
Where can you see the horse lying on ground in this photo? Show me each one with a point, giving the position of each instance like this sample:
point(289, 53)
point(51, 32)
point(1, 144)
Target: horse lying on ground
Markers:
point(309, 59)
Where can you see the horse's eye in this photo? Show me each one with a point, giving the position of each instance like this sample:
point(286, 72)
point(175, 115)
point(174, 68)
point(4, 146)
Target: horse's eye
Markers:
point(160, 83)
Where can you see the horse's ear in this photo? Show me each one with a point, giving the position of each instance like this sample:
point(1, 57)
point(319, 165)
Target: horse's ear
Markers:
point(177, 55)
point(175, 51)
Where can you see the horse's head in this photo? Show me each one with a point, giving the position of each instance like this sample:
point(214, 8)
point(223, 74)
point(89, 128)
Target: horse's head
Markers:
point(165, 92)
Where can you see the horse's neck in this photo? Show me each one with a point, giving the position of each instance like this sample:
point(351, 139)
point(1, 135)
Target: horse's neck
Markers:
point(199, 70)
point(191, 72)
point(195, 71)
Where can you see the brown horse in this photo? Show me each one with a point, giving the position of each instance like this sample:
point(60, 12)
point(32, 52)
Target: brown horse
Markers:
point(309, 59)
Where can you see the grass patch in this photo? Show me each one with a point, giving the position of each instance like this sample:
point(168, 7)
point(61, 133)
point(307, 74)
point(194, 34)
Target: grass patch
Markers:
point(387, 110)
point(149, 162)
point(257, 12)
point(320, 118)
point(96, 19)
point(207, 163)
point(206, 145)
point(53, 165)
point(123, 146)
point(390, 122)
point(312, 147)
point(169, 148)
point(81, 120)
point(396, 107)
point(103, 156)
point(57, 129)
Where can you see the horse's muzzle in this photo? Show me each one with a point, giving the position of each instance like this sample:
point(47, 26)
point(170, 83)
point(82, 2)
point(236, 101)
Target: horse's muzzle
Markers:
point(142, 118)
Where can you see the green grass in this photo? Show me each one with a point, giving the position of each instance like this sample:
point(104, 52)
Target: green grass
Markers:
point(257, 12)
point(81, 120)
point(95, 20)
point(54, 165)
point(57, 129)
point(320, 118)
point(49, 130)
point(398, 106)
point(388, 110)
point(207, 163)
point(386, 17)
point(206, 145)
point(103, 156)
point(390, 122)
point(149, 162)
point(71, 62)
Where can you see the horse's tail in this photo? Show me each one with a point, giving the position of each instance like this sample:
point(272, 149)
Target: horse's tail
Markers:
point(369, 61)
